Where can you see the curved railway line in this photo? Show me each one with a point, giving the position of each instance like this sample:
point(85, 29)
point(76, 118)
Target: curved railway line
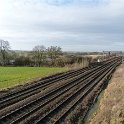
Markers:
point(53, 100)
point(13, 97)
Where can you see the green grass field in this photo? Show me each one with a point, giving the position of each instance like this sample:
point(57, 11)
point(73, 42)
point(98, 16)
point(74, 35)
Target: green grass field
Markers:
point(12, 76)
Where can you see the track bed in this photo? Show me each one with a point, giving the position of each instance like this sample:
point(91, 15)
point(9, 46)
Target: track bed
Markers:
point(61, 98)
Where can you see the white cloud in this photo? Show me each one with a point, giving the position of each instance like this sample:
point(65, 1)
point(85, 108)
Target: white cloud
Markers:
point(63, 23)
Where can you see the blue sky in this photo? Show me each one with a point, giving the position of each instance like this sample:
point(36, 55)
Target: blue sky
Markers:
point(75, 25)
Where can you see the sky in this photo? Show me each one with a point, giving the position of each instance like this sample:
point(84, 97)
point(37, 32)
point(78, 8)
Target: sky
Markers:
point(74, 25)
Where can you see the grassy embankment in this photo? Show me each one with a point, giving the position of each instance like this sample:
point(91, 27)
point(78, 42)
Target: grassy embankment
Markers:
point(12, 76)
point(111, 108)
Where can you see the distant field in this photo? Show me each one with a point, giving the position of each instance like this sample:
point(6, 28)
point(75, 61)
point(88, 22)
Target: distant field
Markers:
point(94, 56)
point(12, 76)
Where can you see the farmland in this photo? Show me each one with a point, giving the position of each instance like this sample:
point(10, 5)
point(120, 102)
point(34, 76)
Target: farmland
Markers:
point(12, 76)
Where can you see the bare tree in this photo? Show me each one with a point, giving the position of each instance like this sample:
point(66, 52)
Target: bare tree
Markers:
point(39, 54)
point(4, 48)
point(53, 53)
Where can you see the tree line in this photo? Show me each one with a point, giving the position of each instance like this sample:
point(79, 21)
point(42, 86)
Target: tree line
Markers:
point(38, 56)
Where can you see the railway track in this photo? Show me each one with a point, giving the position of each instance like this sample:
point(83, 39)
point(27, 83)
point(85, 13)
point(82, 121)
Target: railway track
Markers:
point(67, 104)
point(52, 79)
point(61, 88)
point(60, 98)
point(42, 84)
point(22, 94)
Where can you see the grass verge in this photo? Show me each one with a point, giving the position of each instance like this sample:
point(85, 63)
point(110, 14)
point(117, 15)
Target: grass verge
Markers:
point(13, 76)
point(111, 108)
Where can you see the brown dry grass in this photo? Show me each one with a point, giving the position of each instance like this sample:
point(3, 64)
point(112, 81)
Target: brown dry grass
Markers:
point(111, 109)
point(94, 56)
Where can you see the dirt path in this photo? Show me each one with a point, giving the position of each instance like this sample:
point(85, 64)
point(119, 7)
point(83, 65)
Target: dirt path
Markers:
point(111, 109)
